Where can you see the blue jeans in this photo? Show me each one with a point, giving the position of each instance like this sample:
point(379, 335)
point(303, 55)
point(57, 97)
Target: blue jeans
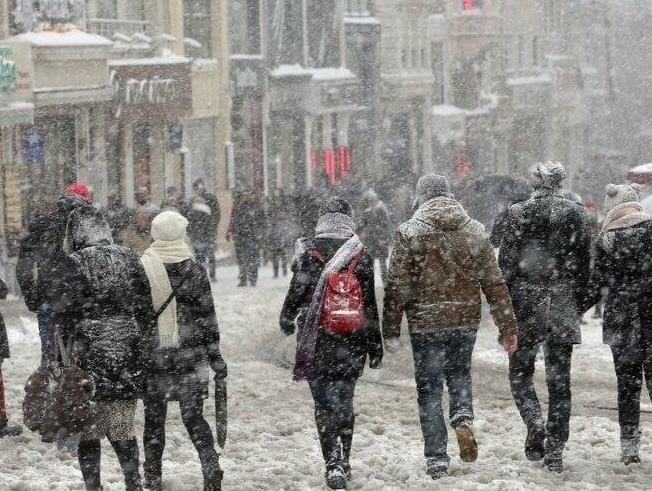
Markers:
point(441, 356)
point(45, 318)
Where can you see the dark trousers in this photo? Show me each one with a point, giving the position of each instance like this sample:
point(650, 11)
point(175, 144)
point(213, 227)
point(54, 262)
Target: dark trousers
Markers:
point(632, 365)
point(441, 356)
point(558, 378)
point(205, 252)
point(248, 255)
point(45, 318)
point(3, 406)
point(334, 417)
point(192, 415)
point(279, 260)
point(89, 455)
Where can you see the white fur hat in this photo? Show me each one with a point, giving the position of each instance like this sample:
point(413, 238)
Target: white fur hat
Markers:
point(169, 226)
point(617, 194)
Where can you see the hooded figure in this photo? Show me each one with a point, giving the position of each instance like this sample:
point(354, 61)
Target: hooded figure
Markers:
point(41, 257)
point(183, 343)
point(545, 255)
point(440, 264)
point(622, 276)
point(374, 228)
point(331, 362)
point(102, 288)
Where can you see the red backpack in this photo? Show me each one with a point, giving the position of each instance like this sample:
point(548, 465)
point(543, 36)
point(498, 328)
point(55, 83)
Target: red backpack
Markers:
point(343, 308)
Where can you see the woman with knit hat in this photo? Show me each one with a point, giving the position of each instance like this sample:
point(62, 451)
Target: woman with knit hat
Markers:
point(622, 276)
point(183, 343)
point(332, 357)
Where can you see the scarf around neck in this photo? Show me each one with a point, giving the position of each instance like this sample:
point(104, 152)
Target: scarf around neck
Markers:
point(335, 226)
point(154, 259)
point(625, 215)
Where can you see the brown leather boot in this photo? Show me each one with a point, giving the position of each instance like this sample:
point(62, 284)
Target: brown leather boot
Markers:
point(466, 441)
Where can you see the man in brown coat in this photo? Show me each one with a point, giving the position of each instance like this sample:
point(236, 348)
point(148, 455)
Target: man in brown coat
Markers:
point(441, 262)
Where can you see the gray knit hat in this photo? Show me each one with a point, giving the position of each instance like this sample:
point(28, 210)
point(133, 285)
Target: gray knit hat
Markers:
point(432, 186)
point(548, 175)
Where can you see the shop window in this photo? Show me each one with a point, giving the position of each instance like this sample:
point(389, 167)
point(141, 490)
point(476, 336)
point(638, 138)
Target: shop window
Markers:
point(358, 7)
point(197, 26)
point(323, 18)
point(107, 9)
point(244, 30)
point(285, 27)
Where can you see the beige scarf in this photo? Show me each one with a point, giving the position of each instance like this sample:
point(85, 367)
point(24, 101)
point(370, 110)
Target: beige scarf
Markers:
point(625, 215)
point(160, 253)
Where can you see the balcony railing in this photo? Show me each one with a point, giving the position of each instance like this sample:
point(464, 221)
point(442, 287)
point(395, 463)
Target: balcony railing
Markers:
point(108, 27)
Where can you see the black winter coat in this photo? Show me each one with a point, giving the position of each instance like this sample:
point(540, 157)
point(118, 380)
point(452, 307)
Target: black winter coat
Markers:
point(102, 303)
point(623, 277)
point(545, 258)
point(374, 229)
point(336, 356)
point(248, 223)
point(4, 341)
point(199, 335)
point(42, 250)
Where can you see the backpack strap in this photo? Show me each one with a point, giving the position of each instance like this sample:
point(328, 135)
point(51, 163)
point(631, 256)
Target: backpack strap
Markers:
point(355, 262)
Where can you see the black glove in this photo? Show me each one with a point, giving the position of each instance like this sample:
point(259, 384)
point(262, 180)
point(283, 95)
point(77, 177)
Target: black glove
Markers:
point(218, 365)
point(375, 362)
point(287, 328)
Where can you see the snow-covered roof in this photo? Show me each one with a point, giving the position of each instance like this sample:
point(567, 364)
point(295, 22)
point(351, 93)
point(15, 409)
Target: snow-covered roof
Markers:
point(68, 38)
point(447, 110)
point(544, 78)
point(318, 74)
point(644, 168)
point(157, 60)
point(362, 19)
point(331, 73)
point(295, 70)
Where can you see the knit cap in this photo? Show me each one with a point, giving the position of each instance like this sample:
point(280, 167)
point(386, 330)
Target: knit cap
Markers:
point(617, 194)
point(548, 175)
point(169, 226)
point(336, 205)
point(432, 186)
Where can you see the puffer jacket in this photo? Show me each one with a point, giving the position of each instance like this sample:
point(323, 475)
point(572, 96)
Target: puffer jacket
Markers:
point(102, 292)
point(441, 261)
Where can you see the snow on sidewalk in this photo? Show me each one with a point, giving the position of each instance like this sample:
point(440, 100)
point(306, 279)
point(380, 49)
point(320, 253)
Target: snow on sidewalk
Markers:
point(272, 443)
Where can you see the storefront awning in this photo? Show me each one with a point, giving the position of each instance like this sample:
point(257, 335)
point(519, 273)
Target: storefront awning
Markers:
point(16, 113)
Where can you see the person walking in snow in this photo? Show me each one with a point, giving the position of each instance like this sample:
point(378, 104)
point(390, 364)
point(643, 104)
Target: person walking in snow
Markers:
point(174, 201)
point(441, 262)
point(38, 270)
point(183, 343)
point(545, 255)
point(102, 284)
point(118, 217)
point(281, 232)
point(374, 229)
point(247, 228)
point(331, 353)
point(5, 428)
point(622, 276)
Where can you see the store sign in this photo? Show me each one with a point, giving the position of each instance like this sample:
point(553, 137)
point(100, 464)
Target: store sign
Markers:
point(151, 92)
point(247, 75)
point(16, 72)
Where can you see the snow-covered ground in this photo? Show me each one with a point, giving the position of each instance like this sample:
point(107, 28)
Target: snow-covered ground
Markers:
point(272, 442)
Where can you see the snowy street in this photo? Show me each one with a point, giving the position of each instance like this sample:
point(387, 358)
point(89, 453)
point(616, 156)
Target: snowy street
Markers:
point(272, 442)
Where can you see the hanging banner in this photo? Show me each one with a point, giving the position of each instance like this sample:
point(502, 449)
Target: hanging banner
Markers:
point(33, 147)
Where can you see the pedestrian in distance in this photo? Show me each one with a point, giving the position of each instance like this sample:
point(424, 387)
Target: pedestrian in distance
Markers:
point(622, 276)
point(374, 229)
point(118, 217)
point(247, 228)
point(204, 217)
point(144, 203)
point(441, 262)
point(98, 307)
point(545, 255)
point(174, 201)
point(137, 236)
point(181, 345)
point(6, 429)
point(332, 301)
point(282, 232)
point(40, 259)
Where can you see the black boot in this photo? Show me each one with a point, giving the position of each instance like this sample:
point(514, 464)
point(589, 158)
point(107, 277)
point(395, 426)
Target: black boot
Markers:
point(347, 441)
point(89, 456)
point(9, 430)
point(553, 460)
point(213, 473)
point(534, 443)
point(127, 452)
point(335, 476)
